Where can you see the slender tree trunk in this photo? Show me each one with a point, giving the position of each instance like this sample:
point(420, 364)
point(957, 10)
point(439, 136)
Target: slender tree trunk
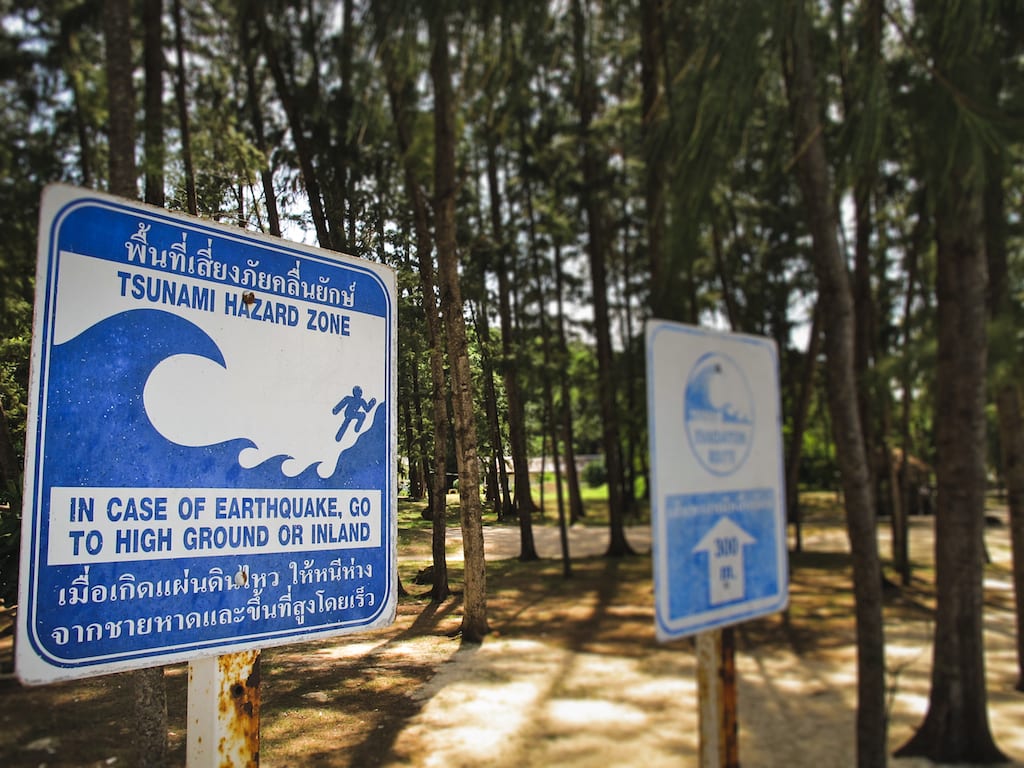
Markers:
point(1011, 439)
point(652, 53)
point(191, 202)
point(956, 727)
point(259, 138)
point(1008, 396)
point(499, 481)
point(547, 356)
point(576, 511)
point(408, 397)
point(117, 34)
point(474, 619)
point(516, 413)
point(549, 412)
point(153, 55)
point(597, 249)
point(799, 416)
point(863, 346)
point(70, 51)
point(633, 380)
point(438, 489)
point(10, 464)
point(418, 472)
point(838, 314)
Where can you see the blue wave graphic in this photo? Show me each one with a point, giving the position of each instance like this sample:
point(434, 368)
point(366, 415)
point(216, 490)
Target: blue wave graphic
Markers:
point(98, 432)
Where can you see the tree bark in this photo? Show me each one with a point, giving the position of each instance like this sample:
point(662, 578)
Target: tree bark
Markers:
point(191, 201)
point(10, 462)
point(836, 301)
point(523, 496)
point(259, 137)
point(901, 543)
point(421, 221)
point(655, 170)
point(117, 35)
point(1008, 397)
point(576, 510)
point(1011, 440)
point(597, 250)
point(474, 619)
point(502, 498)
point(960, 39)
point(153, 55)
point(794, 454)
point(955, 728)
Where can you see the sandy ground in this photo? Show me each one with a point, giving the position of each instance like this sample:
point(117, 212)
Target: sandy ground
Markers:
point(571, 676)
point(595, 709)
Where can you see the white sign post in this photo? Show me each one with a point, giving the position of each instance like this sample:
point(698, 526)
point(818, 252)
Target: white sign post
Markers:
point(211, 444)
point(717, 496)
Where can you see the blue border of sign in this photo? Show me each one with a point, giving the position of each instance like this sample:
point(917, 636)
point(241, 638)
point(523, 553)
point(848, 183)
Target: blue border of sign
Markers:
point(67, 209)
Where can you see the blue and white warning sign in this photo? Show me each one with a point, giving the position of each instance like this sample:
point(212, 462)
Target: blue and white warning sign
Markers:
point(210, 452)
point(717, 498)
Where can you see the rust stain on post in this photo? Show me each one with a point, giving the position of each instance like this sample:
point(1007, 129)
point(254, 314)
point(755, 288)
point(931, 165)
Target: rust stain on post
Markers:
point(730, 709)
point(224, 711)
point(716, 682)
point(239, 709)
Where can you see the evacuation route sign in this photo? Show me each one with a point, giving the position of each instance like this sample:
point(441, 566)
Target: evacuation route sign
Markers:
point(717, 498)
point(210, 455)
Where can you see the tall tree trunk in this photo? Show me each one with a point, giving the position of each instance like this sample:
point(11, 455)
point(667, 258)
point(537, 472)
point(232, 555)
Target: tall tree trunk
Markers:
point(633, 378)
point(794, 453)
point(597, 250)
point(1011, 440)
point(955, 728)
point(191, 202)
point(652, 53)
point(572, 477)
point(259, 137)
point(421, 220)
point(863, 345)
point(409, 397)
point(502, 498)
point(901, 543)
point(150, 697)
point(549, 404)
point(117, 35)
point(523, 497)
point(1008, 396)
point(10, 463)
point(547, 357)
point(153, 56)
point(474, 619)
point(70, 53)
point(860, 92)
point(838, 314)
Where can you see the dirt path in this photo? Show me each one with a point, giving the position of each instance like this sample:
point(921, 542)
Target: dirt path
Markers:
point(635, 704)
point(503, 543)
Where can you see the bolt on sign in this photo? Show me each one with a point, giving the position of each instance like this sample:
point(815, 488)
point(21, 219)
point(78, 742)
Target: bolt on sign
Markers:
point(717, 500)
point(211, 452)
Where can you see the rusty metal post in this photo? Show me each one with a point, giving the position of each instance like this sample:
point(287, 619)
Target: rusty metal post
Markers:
point(716, 689)
point(224, 711)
